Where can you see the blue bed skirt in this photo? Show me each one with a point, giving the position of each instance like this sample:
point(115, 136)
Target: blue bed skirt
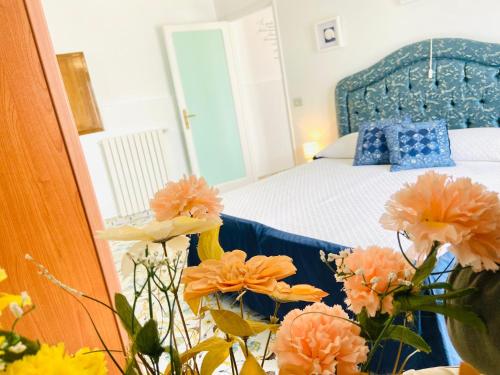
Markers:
point(259, 239)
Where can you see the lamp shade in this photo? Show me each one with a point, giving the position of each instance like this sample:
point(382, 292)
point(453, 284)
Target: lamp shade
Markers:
point(310, 149)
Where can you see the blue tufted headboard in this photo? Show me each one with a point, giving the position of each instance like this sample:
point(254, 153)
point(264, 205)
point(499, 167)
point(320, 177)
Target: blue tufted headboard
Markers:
point(464, 90)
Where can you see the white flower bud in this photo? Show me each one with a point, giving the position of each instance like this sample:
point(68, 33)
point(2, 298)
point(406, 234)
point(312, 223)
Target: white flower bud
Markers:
point(25, 298)
point(332, 257)
point(16, 310)
point(404, 282)
point(392, 276)
point(359, 272)
point(322, 254)
point(18, 348)
point(375, 280)
point(344, 253)
point(339, 278)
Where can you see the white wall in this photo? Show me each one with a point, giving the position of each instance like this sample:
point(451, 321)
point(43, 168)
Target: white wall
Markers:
point(371, 29)
point(231, 9)
point(127, 62)
point(262, 92)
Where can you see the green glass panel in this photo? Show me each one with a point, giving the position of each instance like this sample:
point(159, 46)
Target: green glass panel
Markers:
point(201, 58)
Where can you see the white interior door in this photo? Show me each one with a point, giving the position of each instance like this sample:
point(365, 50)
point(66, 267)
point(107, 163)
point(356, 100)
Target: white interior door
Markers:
point(208, 101)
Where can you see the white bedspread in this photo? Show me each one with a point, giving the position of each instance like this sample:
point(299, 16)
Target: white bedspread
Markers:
point(331, 200)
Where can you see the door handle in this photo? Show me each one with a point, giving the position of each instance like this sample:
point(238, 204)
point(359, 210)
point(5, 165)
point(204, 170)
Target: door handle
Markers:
point(186, 116)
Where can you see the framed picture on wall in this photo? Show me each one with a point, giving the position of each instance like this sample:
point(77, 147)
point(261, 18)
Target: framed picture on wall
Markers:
point(328, 34)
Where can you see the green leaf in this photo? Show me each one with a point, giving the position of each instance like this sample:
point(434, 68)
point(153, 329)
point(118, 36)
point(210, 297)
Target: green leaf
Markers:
point(446, 286)
point(124, 310)
point(371, 326)
point(147, 340)
point(215, 357)
point(407, 336)
point(414, 302)
point(175, 360)
point(458, 313)
point(251, 367)
point(233, 324)
point(456, 294)
point(426, 268)
point(131, 369)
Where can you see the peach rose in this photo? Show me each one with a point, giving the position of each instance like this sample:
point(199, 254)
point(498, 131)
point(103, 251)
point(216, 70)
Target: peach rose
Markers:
point(458, 212)
point(373, 272)
point(232, 274)
point(190, 196)
point(320, 340)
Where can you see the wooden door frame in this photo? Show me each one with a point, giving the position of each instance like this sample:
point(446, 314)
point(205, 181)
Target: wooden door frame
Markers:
point(69, 132)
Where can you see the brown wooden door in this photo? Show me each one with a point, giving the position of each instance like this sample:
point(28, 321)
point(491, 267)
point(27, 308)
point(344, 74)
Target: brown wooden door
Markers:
point(47, 207)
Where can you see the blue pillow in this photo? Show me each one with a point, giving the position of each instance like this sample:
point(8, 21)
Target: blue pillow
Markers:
point(371, 148)
point(419, 145)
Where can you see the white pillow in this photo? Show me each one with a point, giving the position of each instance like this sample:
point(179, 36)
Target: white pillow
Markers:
point(475, 144)
point(342, 148)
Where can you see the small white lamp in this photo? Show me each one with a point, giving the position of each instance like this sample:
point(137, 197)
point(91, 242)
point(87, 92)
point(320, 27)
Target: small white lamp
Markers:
point(310, 150)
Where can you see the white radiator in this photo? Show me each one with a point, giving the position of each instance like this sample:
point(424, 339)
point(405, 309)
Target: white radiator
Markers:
point(137, 165)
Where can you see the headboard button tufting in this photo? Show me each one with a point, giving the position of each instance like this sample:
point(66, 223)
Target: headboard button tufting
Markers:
point(465, 92)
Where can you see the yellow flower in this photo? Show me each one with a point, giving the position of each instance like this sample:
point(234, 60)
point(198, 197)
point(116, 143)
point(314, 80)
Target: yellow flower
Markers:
point(2, 341)
point(7, 299)
point(52, 360)
point(157, 231)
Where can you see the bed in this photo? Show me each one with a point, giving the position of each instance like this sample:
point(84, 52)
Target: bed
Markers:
point(329, 204)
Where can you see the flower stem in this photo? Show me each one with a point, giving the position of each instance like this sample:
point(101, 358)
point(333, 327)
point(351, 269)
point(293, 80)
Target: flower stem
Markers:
point(245, 339)
point(274, 318)
point(177, 301)
point(403, 252)
point(234, 366)
point(377, 343)
point(405, 362)
point(398, 357)
point(150, 299)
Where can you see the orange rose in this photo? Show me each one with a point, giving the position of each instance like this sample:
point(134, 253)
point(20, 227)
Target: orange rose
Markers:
point(190, 196)
point(319, 340)
point(454, 211)
point(302, 292)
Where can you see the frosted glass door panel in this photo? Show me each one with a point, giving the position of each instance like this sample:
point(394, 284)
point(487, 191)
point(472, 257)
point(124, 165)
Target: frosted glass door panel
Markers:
point(206, 83)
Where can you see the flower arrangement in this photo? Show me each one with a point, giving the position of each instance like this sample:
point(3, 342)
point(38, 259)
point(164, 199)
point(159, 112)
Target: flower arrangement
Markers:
point(20, 355)
point(384, 288)
point(160, 341)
